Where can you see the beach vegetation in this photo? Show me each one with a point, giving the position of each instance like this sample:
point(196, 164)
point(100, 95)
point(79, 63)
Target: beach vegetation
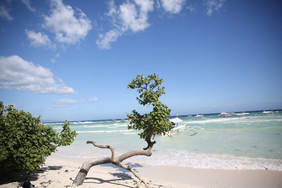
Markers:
point(25, 142)
point(156, 122)
point(149, 125)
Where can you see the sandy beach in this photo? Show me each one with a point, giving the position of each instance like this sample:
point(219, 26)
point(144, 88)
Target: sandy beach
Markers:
point(58, 172)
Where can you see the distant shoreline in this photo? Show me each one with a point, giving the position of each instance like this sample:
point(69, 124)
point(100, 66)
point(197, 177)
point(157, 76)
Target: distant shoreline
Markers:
point(172, 116)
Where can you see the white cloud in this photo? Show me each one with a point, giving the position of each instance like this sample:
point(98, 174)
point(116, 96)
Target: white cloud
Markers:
point(93, 99)
point(173, 6)
point(191, 8)
point(53, 60)
point(4, 14)
point(63, 103)
point(133, 18)
point(28, 5)
point(213, 5)
point(106, 39)
point(129, 16)
point(69, 26)
point(16, 73)
point(38, 39)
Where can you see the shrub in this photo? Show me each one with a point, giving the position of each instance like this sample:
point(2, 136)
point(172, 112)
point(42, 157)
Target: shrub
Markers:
point(25, 142)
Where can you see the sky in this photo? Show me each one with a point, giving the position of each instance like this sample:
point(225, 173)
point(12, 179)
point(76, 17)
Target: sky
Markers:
point(72, 60)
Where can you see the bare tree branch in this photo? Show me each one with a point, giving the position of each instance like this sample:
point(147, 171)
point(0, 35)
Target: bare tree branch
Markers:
point(134, 153)
point(103, 147)
point(128, 167)
point(115, 161)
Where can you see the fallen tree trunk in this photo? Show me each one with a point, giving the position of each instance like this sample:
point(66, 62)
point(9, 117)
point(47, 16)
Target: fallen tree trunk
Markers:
point(117, 161)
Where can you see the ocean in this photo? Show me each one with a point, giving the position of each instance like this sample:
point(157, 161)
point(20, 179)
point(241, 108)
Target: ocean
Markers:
point(250, 141)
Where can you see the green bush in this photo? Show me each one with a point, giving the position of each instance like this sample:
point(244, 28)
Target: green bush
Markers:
point(25, 142)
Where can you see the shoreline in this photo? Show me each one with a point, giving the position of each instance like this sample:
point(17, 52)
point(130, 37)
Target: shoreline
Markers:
point(177, 159)
point(59, 172)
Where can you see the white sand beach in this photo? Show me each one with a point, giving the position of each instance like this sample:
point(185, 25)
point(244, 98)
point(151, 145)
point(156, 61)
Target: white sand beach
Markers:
point(58, 172)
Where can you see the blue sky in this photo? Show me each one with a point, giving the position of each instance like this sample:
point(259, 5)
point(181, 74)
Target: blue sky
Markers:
point(72, 60)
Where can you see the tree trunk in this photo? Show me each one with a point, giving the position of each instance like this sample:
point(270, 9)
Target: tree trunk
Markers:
point(80, 177)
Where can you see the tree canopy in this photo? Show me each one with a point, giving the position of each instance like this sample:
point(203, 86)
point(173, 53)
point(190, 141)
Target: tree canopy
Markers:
point(156, 122)
point(25, 142)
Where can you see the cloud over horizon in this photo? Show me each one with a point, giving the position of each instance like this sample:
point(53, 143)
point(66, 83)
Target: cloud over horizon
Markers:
point(61, 103)
point(19, 74)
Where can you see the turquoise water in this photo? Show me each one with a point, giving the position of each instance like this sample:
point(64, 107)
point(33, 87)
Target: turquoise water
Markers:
point(253, 141)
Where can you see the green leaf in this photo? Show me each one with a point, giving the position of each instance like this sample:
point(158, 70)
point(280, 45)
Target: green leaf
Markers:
point(155, 122)
point(25, 142)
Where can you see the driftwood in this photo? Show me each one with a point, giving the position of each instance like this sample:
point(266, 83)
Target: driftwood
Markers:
point(117, 161)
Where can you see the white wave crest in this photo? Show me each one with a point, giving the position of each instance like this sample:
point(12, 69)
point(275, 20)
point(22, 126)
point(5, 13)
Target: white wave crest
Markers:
point(105, 131)
point(232, 120)
point(82, 122)
point(95, 126)
point(206, 161)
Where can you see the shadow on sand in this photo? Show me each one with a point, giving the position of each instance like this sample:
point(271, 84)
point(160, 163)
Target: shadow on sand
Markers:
point(120, 176)
point(20, 177)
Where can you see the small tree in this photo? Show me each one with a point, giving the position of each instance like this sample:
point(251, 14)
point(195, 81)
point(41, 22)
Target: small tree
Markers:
point(154, 123)
point(25, 142)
